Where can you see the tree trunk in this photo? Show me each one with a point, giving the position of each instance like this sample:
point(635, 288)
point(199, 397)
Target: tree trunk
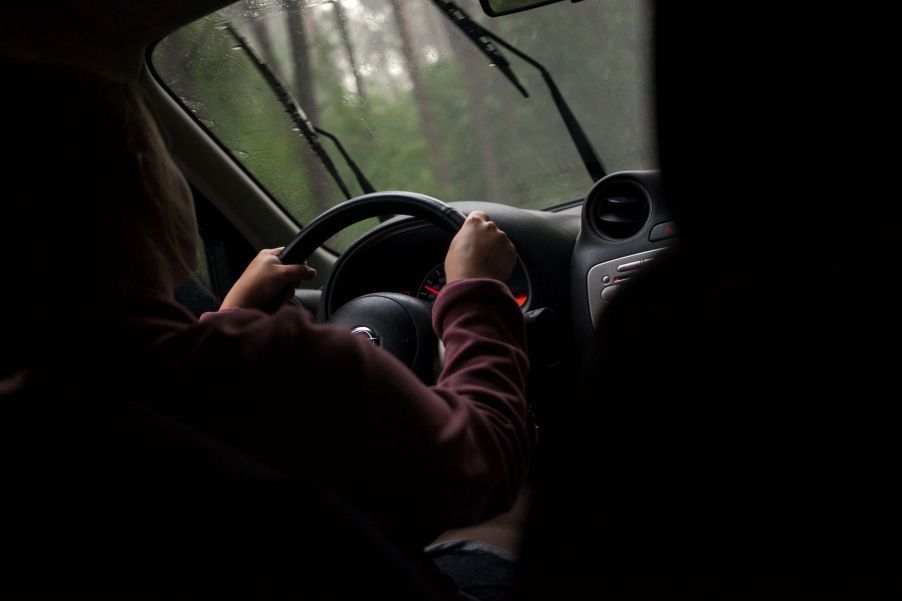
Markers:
point(321, 185)
point(263, 44)
point(424, 107)
point(473, 66)
point(349, 51)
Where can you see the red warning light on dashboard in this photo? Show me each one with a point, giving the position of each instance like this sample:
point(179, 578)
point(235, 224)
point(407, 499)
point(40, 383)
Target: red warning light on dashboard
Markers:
point(521, 299)
point(667, 229)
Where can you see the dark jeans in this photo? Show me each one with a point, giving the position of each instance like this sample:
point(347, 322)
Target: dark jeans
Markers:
point(480, 571)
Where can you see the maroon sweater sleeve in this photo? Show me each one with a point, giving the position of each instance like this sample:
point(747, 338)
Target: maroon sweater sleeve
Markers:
point(314, 400)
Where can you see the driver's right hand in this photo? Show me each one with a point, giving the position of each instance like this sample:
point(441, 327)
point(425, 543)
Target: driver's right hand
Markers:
point(480, 250)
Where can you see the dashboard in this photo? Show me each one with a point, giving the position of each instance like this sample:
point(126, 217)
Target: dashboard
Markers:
point(406, 257)
point(573, 261)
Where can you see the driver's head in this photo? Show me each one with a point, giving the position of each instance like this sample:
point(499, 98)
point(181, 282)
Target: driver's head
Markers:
point(94, 207)
point(88, 171)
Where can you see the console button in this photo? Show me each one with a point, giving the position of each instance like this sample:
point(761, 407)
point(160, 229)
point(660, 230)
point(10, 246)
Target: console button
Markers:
point(609, 292)
point(629, 266)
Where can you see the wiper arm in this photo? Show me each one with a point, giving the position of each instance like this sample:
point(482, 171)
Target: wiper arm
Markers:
point(302, 123)
point(362, 181)
point(478, 37)
point(478, 34)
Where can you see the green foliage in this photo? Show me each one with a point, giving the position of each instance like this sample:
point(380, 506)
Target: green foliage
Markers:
point(496, 145)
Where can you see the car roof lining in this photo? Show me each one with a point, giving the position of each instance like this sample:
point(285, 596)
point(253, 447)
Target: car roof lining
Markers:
point(106, 36)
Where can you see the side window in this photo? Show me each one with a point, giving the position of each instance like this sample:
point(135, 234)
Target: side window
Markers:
point(202, 274)
point(223, 253)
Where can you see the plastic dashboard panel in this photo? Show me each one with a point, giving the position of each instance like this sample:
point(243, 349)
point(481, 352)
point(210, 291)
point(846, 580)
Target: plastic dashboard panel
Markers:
point(596, 258)
point(561, 252)
point(605, 280)
point(399, 252)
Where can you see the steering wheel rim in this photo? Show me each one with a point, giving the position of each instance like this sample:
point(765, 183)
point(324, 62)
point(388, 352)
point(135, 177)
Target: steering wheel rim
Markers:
point(329, 223)
point(400, 324)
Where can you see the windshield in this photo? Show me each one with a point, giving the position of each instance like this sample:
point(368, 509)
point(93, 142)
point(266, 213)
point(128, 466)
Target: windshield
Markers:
point(415, 103)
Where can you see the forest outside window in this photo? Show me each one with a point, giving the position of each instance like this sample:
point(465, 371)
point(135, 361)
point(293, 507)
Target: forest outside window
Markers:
point(413, 101)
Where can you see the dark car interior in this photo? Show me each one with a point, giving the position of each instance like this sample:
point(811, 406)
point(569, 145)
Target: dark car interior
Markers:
point(739, 434)
point(711, 348)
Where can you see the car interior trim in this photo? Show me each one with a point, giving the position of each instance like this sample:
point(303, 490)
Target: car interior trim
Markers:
point(604, 280)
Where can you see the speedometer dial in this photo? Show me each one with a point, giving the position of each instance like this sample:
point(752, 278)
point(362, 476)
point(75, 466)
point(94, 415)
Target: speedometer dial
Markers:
point(435, 281)
point(432, 284)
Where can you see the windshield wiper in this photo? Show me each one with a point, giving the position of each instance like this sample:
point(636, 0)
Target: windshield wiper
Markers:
point(362, 181)
point(483, 38)
point(302, 123)
point(478, 37)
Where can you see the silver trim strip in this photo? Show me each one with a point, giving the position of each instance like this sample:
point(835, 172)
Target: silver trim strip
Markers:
point(595, 284)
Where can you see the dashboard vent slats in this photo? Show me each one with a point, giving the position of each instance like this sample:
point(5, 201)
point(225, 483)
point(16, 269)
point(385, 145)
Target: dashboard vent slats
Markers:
point(615, 218)
point(619, 210)
point(625, 200)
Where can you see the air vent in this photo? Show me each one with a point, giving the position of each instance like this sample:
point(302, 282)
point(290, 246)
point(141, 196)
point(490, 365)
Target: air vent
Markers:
point(620, 209)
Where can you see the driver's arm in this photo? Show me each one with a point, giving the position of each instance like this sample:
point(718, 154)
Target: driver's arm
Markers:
point(315, 401)
point(264, 279)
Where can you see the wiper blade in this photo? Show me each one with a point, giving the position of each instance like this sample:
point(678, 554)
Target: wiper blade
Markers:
point(583, 145)
point(301, 122)
point(362, 181)
point(478, 37)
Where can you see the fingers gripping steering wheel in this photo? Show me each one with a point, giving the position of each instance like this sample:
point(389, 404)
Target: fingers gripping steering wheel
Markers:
point(398, 323)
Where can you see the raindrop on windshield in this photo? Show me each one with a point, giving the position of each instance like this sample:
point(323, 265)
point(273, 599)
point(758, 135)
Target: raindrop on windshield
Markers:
point(192, 105)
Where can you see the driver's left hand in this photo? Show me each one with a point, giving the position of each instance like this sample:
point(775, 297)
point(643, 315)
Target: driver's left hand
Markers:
point(266, 279)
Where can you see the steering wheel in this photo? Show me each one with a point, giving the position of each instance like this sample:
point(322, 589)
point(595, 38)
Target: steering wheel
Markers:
point(400, 324)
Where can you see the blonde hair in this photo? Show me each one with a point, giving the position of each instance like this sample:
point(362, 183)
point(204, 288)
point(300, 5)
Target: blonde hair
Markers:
point(165, 244)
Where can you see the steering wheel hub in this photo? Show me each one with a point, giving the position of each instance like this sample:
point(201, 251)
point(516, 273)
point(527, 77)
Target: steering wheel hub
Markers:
point(400, 324)
point(368, 335)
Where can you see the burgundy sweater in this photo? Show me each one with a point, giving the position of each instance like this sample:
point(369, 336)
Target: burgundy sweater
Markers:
point(314, 401)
